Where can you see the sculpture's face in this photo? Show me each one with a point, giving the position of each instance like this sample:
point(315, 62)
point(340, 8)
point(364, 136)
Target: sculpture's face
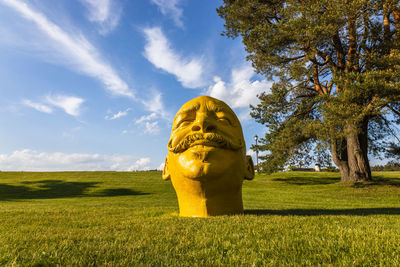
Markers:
point(206, 144)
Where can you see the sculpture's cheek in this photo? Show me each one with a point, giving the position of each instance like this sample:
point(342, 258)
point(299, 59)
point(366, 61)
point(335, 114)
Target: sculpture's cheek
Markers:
point(177, 137)
point(232, 134)
point(172, 141)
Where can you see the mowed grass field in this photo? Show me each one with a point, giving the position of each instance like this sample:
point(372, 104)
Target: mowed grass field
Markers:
point(131, 219)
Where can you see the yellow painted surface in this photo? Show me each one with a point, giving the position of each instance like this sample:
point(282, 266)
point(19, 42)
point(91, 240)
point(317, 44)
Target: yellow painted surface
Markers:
point(207, 160)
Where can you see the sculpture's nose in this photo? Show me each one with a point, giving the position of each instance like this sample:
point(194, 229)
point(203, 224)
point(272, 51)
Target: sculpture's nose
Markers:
point(203, 123)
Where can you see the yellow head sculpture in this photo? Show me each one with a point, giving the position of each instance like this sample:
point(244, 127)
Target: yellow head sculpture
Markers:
point(207, 160)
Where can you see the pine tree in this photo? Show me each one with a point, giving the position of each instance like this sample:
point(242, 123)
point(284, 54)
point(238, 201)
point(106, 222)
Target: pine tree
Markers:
point(337, 72)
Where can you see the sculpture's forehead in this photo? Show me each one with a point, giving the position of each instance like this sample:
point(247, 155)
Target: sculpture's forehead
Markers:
point(205, 103)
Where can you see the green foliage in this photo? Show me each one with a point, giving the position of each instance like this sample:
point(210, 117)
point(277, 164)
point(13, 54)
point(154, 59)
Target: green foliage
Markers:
point(394, 150)
point(130, 219)
point(336, 64)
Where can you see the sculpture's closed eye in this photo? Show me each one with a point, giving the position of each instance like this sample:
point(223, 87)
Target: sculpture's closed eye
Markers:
point(183, 123)
point(224, 119)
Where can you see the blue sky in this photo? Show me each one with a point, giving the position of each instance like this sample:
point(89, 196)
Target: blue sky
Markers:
point(95, 84)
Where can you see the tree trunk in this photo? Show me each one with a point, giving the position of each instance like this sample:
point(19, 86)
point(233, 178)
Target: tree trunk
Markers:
point(351, 154)
point(357, 152)
point(339, 156)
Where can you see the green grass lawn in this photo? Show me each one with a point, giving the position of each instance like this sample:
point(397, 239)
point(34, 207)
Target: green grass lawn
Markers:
point(130, 218)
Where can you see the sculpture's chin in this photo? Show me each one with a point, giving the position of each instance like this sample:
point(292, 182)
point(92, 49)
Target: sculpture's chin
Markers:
point(201, 163)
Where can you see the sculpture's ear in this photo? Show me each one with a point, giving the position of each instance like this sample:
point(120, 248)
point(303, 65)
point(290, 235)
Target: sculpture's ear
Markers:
point(165, 174)
point(249, 173)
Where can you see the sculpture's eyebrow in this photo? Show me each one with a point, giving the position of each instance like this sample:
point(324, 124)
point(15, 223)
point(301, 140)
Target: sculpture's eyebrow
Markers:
point(227, 111)
point(218, 108)
point(188, 109)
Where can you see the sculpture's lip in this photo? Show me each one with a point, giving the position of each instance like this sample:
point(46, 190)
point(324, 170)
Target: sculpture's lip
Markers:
point(204, 142)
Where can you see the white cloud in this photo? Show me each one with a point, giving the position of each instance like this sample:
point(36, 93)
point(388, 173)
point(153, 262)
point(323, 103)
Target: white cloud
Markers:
point(151, 122)
point(72, 50)
point(169, 8)
point(38, 106)
point(118, 115)
point(161, 167)
point(99, 9)
point(70, 104)
point(251, 152)
point(152, 127)
point(241, 91)
point(140, 164)
point(104, 12)
point(30, 160)
point(146, 118)
point(155, 104)
point(159, 52)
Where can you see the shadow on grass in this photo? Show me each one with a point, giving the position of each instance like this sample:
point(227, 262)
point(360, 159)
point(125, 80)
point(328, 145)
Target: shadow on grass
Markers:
point(319, 212)
point(47, 189)
point(308, 180)
point(115, 192)
point(376, 181)
point(379, 180)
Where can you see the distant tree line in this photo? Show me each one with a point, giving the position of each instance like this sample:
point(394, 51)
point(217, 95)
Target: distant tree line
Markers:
point(390, 166)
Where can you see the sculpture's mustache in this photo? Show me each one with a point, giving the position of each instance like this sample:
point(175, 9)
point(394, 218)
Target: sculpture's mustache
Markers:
point(212, 139)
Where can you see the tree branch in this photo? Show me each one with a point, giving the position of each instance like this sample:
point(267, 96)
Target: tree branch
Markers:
point(394, 111)
point(351, 52)
point(337, 43)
